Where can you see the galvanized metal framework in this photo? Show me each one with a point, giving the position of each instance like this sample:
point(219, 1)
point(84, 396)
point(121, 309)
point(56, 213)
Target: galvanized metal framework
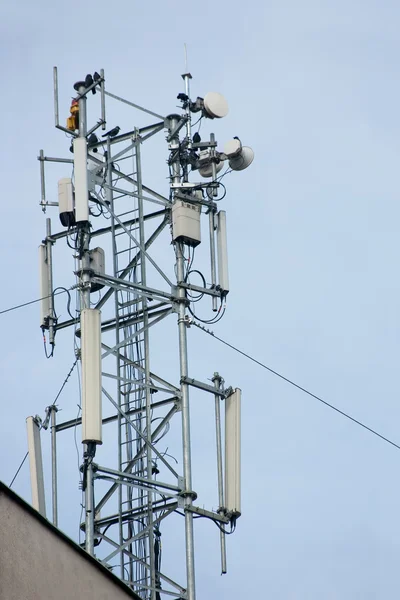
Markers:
point(127, 513)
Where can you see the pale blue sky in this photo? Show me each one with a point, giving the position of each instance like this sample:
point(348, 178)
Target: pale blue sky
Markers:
point(314, 88)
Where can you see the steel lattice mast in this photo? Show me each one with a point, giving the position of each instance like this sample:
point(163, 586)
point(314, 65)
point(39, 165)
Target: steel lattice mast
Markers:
point(125, 502)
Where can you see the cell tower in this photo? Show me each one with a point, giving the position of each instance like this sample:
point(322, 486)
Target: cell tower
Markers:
point(110, 219)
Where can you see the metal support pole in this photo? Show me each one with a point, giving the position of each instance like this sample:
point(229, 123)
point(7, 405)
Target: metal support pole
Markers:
point(187, 461)
point(55, 93)
point(42, 181)
point(187, 77)
point(217, 380)
point(89, 509)
point(84, 233)
point(211, 216)
point(103, 101)
point(54, 464)
point(82, 113)
point(187, 494)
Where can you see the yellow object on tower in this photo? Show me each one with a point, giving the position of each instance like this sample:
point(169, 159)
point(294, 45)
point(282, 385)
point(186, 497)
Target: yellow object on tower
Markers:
point(73, 120)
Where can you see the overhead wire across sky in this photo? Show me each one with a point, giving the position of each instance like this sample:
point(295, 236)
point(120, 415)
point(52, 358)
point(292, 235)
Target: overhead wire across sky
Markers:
point(249, 357)
point(52, 404)
point(296, 385)
point(17, 306)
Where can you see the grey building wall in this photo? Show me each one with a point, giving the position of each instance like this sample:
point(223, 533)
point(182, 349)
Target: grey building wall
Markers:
point(37, 562)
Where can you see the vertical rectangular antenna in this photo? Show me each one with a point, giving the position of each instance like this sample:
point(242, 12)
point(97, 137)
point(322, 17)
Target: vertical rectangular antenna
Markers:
point(91, 375)
point(81, 180)
point(44, 285)
point(232, 452)
point(36, 465)
point(66, 202)
point(222, 251)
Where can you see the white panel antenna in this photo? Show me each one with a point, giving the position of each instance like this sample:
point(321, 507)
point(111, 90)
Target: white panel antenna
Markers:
point(232, 453)
point(36, 465)
point(91, 376)
point(44, 284)
point(222, 252)
point(66, 202)
point(95, 171)
point(81, 180)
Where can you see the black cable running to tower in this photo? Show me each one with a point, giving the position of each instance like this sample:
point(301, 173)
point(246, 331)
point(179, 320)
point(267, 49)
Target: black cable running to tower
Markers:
point(299, 387)
point(54, 401)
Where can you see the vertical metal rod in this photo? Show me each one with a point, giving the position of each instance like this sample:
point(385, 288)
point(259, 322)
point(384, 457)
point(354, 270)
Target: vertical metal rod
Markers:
point(187, 461)
point(211, 216)
point(103, 100)
point(82, 114)
point(183, 363)
point(84, 228)
point(54, 464)
point(149, 465)
point(187, 77)
point(89, 508)
point(213, 165)
point(55, 86)
point(217, 380)
point(50, 280)
point(42, 181)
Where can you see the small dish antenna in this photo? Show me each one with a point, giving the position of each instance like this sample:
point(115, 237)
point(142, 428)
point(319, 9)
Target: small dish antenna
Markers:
point(240, 157)
point(215, 105)
point(206, 170)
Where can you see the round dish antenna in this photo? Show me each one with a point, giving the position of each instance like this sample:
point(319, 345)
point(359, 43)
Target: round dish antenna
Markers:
point(206, 170)
point(215, 105)
point(240, 157)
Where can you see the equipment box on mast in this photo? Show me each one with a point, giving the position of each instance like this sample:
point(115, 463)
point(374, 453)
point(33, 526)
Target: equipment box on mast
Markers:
point(186, 222)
